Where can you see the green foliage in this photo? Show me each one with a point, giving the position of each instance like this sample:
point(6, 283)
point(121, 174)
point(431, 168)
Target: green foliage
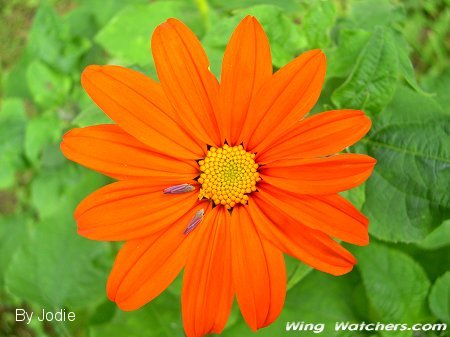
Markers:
point(41, 131)
point(388, 58)
point(61, 256)
point(12, 132)
point(48, 88)
point(438, 238)
point(372, 81)
point(317, 23)
point(158, 319)
point(133, 27)
point(414, 199)
point(440, 298)
point(318, 298)
point(384, 271)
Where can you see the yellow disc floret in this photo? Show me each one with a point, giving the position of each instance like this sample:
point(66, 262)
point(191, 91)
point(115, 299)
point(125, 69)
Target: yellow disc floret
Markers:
point(227, 175)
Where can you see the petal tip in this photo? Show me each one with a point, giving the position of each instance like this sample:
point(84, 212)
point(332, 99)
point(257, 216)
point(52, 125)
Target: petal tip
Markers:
point(91, 68)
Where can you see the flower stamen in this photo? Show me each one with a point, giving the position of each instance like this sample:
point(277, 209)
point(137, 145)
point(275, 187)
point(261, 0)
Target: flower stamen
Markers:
point(228, 175)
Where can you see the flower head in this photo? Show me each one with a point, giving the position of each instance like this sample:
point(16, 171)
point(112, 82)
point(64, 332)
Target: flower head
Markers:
point(219, 179)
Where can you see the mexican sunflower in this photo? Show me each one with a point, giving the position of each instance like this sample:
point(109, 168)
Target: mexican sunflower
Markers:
point(220, 179)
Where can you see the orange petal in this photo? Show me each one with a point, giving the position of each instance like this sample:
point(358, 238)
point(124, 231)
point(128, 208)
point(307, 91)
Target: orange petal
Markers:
point(284, 100)
point(259, 273)
point(320, 135)
point(145, 267)
point(330, 214)
point(113, 152)
point(128, 210)
point(183, 69)
point(308, 245)
point(207, 293)
point(246, 66)
point(320, 175)
point(139, 106)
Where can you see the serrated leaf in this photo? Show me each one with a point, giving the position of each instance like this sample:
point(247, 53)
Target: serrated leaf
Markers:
point(48, 87)
point(56, 268)
point(40, 132)
point(317, 23)
point(127, 35)
point(103, 11)
point(408, 106)
point(395, 215)
point(415, 158)
point(368, 14)
point(396, 285)
point(52, 42)
point(371, 85)
point(342, 59)
point(438, 238)
point(55, 186)
point(440, 298)
point(405, 64)
point(405, 198)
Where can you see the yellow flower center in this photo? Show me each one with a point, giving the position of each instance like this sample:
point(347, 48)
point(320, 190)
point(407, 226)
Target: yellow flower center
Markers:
point(228, 175)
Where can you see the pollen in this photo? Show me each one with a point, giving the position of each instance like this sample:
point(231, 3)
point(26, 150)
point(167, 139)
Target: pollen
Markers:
point(228, 175)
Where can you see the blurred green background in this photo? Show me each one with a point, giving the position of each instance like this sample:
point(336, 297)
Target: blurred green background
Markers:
point(390, 58)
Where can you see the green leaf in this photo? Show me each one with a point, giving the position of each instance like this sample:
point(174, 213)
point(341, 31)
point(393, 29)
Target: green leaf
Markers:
point(317, 23)
point(103, 11)
point(12, 130)
point(48, 88)
point(440, 298)
point(283, 34)
point(318, 298)
point(342, 58)
point(13, 232)
point(53, 188)
point(396, 215)
point(408, 208)
point(438, 238)
point(285, 40)
point(41, 131)
point(56, 268)
point(415, 158)
point(396, 285)
point(91, 115)
point(159, 318)
point(295, 270)
point(127, 35)
point(51, 41)
point(356, 195)
point(368, 14)
point(408, 106)
point(15, 80)
point(230, 5)
point(371, 85)
point(439, 85)
point(405, 64)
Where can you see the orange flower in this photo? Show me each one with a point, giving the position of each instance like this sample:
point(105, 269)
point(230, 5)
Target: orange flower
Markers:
point(219, 179)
